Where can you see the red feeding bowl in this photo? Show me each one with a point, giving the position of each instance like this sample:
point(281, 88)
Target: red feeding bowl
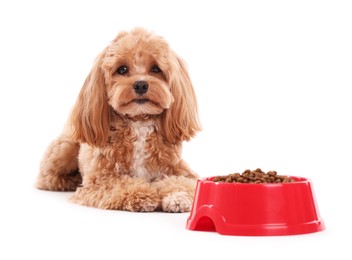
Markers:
point(250, 209)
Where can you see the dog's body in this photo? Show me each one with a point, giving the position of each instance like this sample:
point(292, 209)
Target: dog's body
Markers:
point(121, 148)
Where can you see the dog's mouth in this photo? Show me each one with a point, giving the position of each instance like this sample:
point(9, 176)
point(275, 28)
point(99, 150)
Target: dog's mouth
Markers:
point(142, 101)
point(143, 105)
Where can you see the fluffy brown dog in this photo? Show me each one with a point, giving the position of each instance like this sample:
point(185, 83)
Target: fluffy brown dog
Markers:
point(121, 147)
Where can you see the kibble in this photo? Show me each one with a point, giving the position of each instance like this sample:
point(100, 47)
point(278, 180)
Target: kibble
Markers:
point(256, 176)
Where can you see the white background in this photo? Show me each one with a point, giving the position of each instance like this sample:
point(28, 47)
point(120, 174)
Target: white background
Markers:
point(273, 81)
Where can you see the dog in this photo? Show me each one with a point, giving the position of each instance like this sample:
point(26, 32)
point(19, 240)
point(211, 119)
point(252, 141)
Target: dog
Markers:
point(121, 145)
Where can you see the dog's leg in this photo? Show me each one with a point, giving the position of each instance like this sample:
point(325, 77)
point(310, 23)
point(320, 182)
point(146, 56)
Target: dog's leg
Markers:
point(107, 191)
point(176, 193)
point(59, 166)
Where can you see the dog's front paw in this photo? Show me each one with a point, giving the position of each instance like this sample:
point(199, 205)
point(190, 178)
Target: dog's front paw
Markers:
point(177, 202)
point(141, 202)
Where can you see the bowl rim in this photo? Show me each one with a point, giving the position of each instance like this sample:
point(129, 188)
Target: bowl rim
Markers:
point(298, 179)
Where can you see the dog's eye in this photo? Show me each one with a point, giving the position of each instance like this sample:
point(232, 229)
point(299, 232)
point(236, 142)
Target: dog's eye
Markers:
point(122, 70)
point(155, 69)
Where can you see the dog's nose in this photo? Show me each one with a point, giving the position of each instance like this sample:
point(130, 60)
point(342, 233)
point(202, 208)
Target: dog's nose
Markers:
point(140, 87)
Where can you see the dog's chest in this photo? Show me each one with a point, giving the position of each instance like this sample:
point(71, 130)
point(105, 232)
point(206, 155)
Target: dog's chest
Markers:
point(141, 132)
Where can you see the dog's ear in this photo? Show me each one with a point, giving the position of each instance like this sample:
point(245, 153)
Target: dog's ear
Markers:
point(180, 122)
point(90, 116)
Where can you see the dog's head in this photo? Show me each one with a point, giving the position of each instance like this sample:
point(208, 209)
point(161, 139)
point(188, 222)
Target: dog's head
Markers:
point(137, 74)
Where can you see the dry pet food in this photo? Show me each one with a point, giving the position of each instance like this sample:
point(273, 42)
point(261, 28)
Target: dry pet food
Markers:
point(256, 176)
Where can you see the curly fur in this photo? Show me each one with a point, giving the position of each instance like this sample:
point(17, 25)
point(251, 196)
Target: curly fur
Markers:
point(121, 148)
